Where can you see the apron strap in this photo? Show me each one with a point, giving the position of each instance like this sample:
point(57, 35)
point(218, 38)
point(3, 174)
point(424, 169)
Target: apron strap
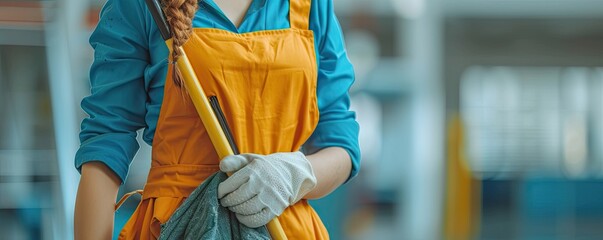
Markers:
point(299, 14)
point(125, 197)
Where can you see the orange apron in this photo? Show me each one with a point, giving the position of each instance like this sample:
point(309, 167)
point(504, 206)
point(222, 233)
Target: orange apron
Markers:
point(265, 83)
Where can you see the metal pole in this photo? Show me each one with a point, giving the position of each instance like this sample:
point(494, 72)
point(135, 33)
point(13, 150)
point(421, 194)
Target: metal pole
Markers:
point(62, 32)
point(421, 213)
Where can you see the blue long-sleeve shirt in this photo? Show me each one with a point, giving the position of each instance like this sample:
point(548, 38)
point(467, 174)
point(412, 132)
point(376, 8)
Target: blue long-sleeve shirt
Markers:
point(130, 65)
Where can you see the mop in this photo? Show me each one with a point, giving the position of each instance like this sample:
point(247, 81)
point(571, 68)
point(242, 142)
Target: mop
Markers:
point(217, 132)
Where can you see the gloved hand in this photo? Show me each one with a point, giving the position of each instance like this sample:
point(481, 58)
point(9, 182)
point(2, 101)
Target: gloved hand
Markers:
point(262, 186)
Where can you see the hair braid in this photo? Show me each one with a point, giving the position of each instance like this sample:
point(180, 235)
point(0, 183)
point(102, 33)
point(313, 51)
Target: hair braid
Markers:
point(179, 15)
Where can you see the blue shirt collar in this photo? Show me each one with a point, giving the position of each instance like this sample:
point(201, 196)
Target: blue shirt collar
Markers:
point(254, 7)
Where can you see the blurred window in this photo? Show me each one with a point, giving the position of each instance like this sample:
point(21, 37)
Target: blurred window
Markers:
point(533, 120)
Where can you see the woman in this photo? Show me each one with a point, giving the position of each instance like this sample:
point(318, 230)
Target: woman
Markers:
point(281, 75)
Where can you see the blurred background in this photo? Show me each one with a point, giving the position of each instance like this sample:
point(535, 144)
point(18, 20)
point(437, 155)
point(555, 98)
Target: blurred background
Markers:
point(480, 119)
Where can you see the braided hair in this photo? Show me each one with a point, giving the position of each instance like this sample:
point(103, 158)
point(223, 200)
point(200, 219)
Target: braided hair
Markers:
point(179, 15)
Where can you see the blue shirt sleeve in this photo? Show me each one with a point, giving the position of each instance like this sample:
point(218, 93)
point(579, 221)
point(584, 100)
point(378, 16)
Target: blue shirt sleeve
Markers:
point(337, 126)
point(116, 106)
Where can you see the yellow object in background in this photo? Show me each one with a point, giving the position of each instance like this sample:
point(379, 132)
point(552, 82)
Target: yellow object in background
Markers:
point(463, 192)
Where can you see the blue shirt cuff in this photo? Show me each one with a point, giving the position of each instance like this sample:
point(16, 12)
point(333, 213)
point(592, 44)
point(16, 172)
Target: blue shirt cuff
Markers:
point(343, 133)
point(114, 150)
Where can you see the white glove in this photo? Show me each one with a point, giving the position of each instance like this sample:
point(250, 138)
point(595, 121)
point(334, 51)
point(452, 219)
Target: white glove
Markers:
point(264, 185)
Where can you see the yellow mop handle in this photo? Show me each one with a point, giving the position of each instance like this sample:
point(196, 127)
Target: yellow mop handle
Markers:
point(210, 121)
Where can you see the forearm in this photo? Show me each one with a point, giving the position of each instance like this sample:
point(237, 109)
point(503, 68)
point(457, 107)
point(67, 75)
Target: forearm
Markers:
point(331, 167)
point(95, 203)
